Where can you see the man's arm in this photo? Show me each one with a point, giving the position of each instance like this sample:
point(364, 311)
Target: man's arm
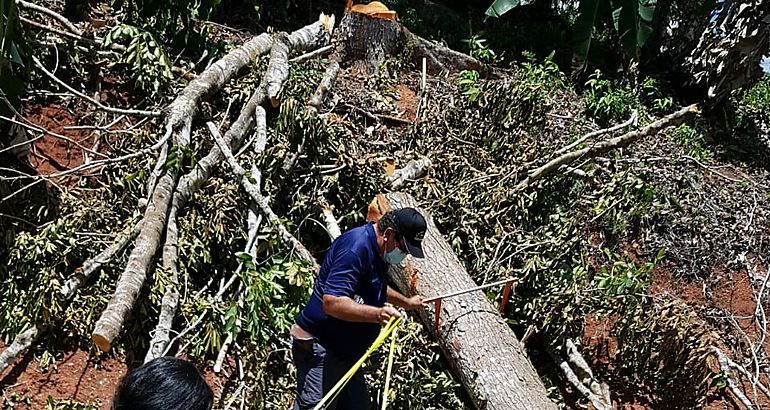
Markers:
point(345, 308)
point(396, 298)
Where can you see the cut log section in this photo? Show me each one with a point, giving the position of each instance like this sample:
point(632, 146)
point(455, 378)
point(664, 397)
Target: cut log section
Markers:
point(482, 350)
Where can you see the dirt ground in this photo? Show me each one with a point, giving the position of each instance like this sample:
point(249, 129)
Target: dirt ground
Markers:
point(75, 376)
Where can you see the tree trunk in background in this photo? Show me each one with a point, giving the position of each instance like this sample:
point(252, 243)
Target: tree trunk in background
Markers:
point(481, 348)
point(731, 47)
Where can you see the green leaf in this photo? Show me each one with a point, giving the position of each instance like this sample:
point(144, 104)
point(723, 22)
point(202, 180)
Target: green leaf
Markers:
point(500, 7)
point(582, 31)
point(633, 22)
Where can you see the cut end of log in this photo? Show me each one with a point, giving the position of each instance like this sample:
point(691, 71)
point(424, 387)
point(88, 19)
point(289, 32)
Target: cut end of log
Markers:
point(327, 22)
point(377, 208)
point(101, 342)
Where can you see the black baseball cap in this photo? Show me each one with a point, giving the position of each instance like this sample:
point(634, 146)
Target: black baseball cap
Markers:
point(412, 226)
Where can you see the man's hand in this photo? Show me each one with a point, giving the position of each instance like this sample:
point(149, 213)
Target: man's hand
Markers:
point(386, 312)
point(396, 298)
point(415, 302)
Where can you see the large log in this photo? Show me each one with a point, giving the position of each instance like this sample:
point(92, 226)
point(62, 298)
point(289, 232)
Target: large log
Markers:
point(482, 350)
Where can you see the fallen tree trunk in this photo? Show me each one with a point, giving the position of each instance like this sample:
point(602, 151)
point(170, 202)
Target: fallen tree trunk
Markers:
point(482, 350)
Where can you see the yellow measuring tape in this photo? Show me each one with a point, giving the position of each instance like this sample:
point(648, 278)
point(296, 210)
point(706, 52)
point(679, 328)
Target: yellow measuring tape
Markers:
point(389, 328)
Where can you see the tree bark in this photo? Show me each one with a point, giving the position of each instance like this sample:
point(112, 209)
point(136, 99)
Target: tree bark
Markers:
point(131, 280)
point(479, 345)
point(731, 47)
point(366, 41)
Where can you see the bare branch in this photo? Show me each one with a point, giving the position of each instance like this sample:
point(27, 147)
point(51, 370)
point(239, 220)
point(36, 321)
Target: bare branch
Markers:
point(89, 99)
point(673, 119)
point(253, 191)
point(597, 133)
point(56, 16)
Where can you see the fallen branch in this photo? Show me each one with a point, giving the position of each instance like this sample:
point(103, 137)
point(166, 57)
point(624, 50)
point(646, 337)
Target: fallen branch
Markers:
point(592, 134)
point(315, 53)
point(24, 340)
point(673, 119)
point(326, 83)
point(600, 392)
point(91, 100)
point(278, 68)
point(56, 16)
point(253, 191)
point(178, 123)
point(170, 301)
point(131, 280)
point(414, 169)
point(571, 377)
point(724, 364)
point(723, 358)
point(185, 107)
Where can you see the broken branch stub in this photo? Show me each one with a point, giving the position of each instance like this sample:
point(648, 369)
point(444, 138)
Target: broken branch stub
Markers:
point(414, 169)
point(278, 67)
point(478, 344)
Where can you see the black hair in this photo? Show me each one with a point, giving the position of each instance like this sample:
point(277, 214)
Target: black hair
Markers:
point(165, 383)
point(388, 221)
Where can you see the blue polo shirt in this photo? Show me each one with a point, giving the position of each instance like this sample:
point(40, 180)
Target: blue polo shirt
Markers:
point(352, 268)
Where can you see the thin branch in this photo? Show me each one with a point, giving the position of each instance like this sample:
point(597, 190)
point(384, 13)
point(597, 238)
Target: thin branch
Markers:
point(724, 363)
point(673, 119)
point(261, 200)
point(56, 16)
point(312, 54)
point(596, 133)
point(83, 167)
point(89, 99)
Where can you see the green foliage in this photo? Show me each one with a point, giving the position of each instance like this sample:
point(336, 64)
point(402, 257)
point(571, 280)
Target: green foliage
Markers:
point(419, 379)
point(275, 292)
point(633, 22)
point(466, 83)
point(145, 59)
point(478, 49)
point(758, 97)
point(621, 201)
point(546, 74)
point(14, 56)
point(180, 159)
point(589, 12)
point(651, 93)
point(624, 277)
point(692, 140)
point(500, 7)
point(165, 16)
point(607, 101)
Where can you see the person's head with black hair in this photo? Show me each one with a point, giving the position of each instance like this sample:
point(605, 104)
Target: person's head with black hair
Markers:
point(165, 383)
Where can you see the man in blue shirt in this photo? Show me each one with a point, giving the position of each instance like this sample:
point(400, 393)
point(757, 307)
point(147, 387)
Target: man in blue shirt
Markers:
point(347, 307)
